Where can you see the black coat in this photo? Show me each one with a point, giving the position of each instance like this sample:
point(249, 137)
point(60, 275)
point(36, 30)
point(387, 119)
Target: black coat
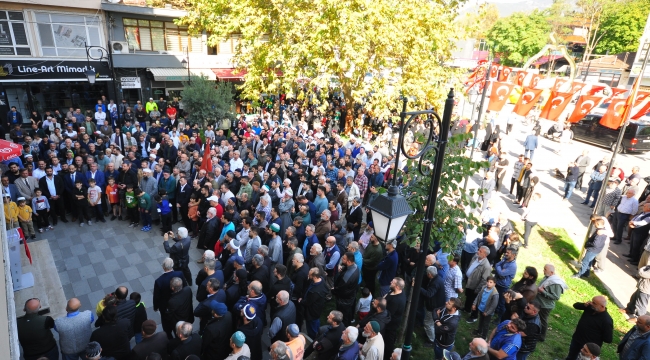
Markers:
point(346, 289)
point(114, 338)
point(216, 338)
point(208, 234)
point(328, 339)
point(355, 217)
point(191, 346)
point(313, 302)
point(162, 291)
point(156, 343)
point(253, 332)
point(260, 274)
point(179, 307)
point(183, 196)
point(58, 186)
point(433, 295)
point(300, 279)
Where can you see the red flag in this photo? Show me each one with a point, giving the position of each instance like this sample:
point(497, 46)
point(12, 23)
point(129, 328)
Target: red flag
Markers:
point(640, 96)
point(499, 95)
point(583, 106)
point(206, 162)
point(632, 100)
point(494, 71)
point(613, 118)
point(642, 111)
point(576, 86)
point(594, 89)
point(558, 84)
point(535, 80)
point(505, 73)
point(521, 75)
point(527, 100)
point(555, 105)
point(615, 93)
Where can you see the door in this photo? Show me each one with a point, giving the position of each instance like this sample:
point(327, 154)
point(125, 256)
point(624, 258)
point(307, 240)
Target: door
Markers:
point(19, 97)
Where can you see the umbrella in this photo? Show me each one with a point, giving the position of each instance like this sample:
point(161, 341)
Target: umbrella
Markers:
point(9, 150)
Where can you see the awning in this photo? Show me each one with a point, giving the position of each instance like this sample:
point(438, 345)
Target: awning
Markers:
point(229, 74)
point(544, 59)
point(179, 74)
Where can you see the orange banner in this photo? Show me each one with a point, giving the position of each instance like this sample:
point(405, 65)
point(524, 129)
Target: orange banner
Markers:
point(499, 95)
point(584, 105)
point(527, 100)
point(555, 105)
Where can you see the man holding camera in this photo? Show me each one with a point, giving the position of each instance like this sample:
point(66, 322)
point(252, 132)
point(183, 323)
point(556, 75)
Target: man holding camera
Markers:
point(179, 251)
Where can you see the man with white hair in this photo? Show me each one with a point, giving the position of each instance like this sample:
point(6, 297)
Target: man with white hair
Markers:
point(189, 344)
point(349, 348)
point(179, 251)
point(235, 162)
point(373, 348)
point(283, 316)
point(478, 350)
point(162, 291)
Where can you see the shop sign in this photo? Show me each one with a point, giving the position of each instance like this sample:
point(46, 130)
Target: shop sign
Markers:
point(130, 82)
point(40, 70)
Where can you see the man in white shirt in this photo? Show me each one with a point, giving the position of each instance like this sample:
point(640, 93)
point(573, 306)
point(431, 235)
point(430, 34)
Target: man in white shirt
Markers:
point(626, 209)
point(236, 162)
point(100, 116)
point(39, 172)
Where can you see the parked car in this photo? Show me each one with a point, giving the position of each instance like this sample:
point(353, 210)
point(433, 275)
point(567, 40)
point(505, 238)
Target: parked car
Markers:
point(635, 139)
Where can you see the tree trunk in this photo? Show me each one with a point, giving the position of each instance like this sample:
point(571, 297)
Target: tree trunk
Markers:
point(349, 104)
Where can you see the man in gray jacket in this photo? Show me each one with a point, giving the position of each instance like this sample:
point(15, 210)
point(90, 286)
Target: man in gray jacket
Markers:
point(74, 330)
point(549, 292)
point(477, 272)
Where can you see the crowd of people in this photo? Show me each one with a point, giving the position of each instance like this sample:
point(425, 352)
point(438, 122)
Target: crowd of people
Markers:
point(278, 206)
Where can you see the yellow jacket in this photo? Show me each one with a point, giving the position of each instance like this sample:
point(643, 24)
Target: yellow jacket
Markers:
point(24, 213)
point(151, 106)
point(11, 212)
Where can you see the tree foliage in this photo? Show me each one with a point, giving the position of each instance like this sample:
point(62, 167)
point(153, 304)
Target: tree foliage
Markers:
point(454, 207)
point(517, 37)
point(590, 14)
point(622, 27)
point(334, 45)
point(206, 102)
point(176, 4)
point(475, 24)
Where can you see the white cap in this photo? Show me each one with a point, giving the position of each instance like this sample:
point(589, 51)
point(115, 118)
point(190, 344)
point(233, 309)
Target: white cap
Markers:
point(213, 198)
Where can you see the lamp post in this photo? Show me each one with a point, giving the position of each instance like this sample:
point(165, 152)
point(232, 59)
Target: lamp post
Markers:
point(390, 210)
point(103, 56)
point(480, 112)
point(186, 63)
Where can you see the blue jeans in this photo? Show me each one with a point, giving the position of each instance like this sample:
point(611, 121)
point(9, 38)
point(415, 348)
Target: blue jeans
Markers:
point(438, 350)
point(568, 189)
point(586, 263)
point(522, 356)
point(146, 218)
point(532, 152)
point(594, 188)
point(622, 220)
point(312, 327)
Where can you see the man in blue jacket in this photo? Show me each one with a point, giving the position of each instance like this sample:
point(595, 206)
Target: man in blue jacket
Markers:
point(505, 272)
point(636, 343)
point(530, 144)
point(388, 268)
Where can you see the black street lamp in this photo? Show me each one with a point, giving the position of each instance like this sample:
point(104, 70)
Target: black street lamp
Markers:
point(90, 73)
point(186, 63)
point(390, 211)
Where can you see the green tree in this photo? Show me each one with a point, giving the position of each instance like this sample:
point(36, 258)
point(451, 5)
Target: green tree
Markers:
point(622, 27)
point(451, 215)
point(590, 15)
point(335, 45)
point(517, 37)
point(206, 102)
point(476, 23)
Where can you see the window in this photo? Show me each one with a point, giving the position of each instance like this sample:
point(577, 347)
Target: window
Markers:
point(226, 47)
point(150, 35)
point(68, 34)
point(13, 35)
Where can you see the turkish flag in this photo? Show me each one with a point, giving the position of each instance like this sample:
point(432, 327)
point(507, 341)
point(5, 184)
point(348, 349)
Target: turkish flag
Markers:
point(576, 86)
point(615, 93)
point(521, 75)
point(640, 96)
point(642, 111)
point(206, 162)
point(613, 118)
point(527, 100)
point(555, 105)
point(583, 106)
point(499, 95)
point(505, 73)
point(494, 71)
point(558, 84)
point(535, 80)
point(594, 89)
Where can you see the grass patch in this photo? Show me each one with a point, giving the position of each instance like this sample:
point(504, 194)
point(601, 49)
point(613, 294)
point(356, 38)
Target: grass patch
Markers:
point(548, 245)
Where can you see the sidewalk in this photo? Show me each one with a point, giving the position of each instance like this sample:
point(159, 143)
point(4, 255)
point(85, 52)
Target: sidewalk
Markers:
point(571, 216)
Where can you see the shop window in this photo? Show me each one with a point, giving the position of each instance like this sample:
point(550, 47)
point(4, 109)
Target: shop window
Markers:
point(66, 35)
point(13, 34)
point(147, 35)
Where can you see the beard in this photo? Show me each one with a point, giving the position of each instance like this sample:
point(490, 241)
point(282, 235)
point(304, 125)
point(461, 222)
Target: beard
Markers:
point(365, 334)
point(583, 357)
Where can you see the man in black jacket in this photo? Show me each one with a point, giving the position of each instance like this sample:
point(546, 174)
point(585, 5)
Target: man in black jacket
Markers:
point(285, 314)
point(186, 342)
point(533, 327)
point(595, 326)
point(208, 233)
point(179, 306)
point(260, 272)
point(216, 336)
point(56, 199)
point(162, 292)
point(151, 342)
point(313, 302)
point(379, 314)
point(355, 217)
point(300, 280)
point(281, 283)
point(395, 305)
point(345, 287)
point(183, 193)
point(326, 342)
point(446, 322)
point(179, 252)
point(114, 334)
point(433, 297)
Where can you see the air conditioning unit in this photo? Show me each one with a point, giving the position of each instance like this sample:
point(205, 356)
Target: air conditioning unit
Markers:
point(120, 47)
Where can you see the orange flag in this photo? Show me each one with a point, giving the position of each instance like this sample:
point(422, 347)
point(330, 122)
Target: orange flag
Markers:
point(614, 116)
point(505, 73)
point(630, 102)
point(644, 110)
point(640, 96)
point(583, 106)
point(499, 95)
point(594, 89)
point(527, 100)
point(558, 84)
point(535, 80)
point(615, 93)
point(206, 162)
point(494, 71)
point(555, 105)
point(521, 75)
point(576, 86)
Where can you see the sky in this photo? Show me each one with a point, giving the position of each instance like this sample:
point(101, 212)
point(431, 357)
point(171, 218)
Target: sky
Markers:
point(507, 7)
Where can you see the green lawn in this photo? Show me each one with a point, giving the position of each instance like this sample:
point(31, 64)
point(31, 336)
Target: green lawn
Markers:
point(549, 245)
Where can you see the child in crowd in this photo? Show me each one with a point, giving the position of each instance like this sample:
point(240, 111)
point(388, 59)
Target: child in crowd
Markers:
point(209, 134)
point(131, 206)
point(108, 300)
point(486, 303)
point(192, 213)
point(11, 212)
point(113, 198)
point(165, 212)
point(363, 305)
point(80, 196)
point(140, 316)
point(25, 218)
point(95, 199)
point(144, 204)
point(41, 208)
